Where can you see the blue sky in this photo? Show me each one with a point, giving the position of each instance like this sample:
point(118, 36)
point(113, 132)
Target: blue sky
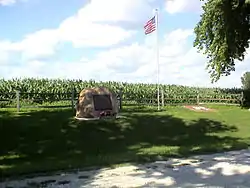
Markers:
point(103, 40)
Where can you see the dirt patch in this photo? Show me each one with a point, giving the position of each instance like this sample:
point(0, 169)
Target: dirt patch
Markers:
point(199, 108)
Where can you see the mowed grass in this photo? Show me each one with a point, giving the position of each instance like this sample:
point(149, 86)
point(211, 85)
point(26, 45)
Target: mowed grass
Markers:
point(43, 140)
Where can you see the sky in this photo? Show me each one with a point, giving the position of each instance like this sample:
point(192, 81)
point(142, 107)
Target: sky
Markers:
point(103, 41)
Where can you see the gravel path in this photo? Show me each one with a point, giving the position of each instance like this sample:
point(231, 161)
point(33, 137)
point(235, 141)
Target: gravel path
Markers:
point(231, 169)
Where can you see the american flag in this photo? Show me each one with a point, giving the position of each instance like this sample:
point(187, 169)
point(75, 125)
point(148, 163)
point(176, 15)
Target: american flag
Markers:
point(150, 26)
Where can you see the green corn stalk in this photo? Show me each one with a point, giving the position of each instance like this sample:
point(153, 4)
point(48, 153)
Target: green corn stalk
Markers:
point(57, 89)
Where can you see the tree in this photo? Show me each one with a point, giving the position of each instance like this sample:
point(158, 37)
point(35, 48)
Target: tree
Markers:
point(245, 80)
point(223, 34)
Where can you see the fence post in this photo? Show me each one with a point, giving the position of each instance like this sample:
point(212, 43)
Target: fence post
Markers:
point(18, 100)
point(198, 99)
point(73, 99)
point(242, 99)
point(162, 98)
point(120, 96)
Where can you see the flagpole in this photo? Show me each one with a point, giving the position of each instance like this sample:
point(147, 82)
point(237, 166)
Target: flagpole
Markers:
point(157, 59)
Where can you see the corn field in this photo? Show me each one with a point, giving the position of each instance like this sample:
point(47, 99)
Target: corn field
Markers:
point(58, 89)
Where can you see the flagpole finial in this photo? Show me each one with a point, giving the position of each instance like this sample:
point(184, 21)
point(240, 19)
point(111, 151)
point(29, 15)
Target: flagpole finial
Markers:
point(156, 12)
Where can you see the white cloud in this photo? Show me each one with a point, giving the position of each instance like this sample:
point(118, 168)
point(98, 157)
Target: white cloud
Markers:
point(93, 25)
point(87, 34)
point(10, 2)
point(39, 44)
point(177, 6)
point(125, 59)
point(30, 69)
point(114, 11)
point(4, 53)
point(137, 63)
point(44, 43)
point(7, 2)
point(87, 28)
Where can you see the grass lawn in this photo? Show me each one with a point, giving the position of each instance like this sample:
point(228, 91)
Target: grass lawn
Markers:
point(42, 140)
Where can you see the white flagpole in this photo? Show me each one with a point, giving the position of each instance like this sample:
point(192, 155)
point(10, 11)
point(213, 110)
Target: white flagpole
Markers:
point(157, 59)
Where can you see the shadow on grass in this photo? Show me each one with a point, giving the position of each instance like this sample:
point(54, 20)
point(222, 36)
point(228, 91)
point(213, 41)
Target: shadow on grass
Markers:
point(4, 114)
point(41, 141)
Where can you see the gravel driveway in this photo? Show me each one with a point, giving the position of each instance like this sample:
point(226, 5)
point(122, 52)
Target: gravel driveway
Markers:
point(230, 169)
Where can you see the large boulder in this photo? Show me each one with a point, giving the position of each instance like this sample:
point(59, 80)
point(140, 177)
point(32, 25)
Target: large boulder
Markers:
point(96, 103)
